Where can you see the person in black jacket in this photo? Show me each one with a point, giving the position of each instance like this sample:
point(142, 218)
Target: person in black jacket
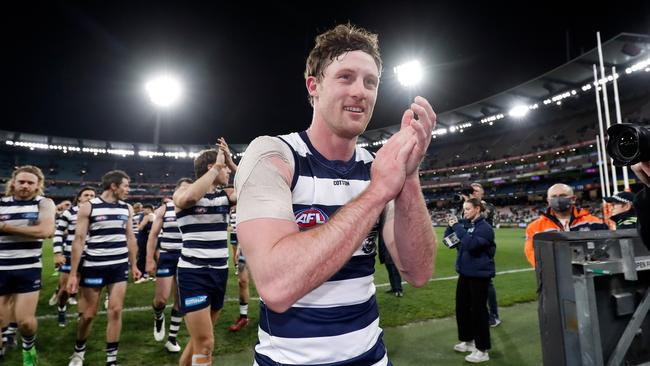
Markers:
point(489, 213)
point(475, 267)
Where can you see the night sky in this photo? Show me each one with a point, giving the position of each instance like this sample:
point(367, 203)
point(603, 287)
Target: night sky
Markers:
point(77, 69)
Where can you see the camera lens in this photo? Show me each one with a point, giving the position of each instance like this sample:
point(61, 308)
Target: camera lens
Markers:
point(628, 144)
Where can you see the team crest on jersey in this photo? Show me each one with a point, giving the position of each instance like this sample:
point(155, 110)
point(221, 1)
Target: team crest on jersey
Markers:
point(370, 243)
point(310, 217)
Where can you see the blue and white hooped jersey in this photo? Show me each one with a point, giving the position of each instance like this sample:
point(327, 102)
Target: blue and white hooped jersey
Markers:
point(338, 322)
point(170, 238)
point(64, 234)
point(204, 229)
point(18, 251)
point(106, 243)
point(135, 221)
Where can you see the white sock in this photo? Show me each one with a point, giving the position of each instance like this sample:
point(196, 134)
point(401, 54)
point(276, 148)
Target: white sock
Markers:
point(202, 358)
point(243, 309)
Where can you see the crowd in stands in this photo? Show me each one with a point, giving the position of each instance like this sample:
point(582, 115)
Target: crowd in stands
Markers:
point(513, 215)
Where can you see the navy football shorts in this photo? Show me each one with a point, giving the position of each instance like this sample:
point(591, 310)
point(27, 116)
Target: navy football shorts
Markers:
point(20, 281)
point(98, 277)
point(65, 268)
point(199, 288)
point(167, 263)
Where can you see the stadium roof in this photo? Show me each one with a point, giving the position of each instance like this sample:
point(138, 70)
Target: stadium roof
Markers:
point(622, 51)
point(627, 52)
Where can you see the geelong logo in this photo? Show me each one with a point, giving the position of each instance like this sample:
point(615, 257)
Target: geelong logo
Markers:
point(196, 300)
point(310, 217)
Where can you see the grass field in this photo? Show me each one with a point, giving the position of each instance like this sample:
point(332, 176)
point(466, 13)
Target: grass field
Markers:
point(435, 300)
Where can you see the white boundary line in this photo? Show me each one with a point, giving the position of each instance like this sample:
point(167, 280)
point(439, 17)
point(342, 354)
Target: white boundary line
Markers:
point(233, 299)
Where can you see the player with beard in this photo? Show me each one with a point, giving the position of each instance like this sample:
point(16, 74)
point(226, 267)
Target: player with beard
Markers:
point(26, 218)
point(104, 224)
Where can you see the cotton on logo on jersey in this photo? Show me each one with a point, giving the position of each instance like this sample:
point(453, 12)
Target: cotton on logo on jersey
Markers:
point(310, 217)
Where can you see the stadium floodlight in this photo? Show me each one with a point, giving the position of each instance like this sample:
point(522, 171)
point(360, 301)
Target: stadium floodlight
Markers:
point(518, 111)
point(409, 74)
point(164, 90)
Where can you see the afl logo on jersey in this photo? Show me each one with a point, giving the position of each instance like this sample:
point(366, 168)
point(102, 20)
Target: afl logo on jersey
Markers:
point(5, 217)
point(310, 217)
point(170, 219)
point(200, 210)
point(101, 218)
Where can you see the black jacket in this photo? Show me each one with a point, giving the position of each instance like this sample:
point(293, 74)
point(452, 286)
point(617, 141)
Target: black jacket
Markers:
point(625, 220)
point(476, 250)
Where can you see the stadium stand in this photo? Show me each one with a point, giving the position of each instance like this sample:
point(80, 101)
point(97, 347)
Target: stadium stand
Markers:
point(516, 159)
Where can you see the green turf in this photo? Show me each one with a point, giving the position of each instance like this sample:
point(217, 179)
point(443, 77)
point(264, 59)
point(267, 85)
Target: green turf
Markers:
point(435, 300)
point(430, 342)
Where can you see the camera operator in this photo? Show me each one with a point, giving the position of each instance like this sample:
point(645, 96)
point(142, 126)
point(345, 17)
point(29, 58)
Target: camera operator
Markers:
point(642, 201)
point(488, 212)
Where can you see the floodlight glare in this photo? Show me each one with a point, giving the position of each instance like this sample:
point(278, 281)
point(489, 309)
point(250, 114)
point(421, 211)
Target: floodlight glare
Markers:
point(409, 74)
point(518, 111)
point(164, 90)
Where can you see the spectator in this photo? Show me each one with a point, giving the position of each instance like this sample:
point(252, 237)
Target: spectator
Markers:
point(475, 267)
point(561, 215)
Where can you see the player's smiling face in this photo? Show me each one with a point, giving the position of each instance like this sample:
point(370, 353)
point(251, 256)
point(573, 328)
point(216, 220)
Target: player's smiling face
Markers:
point(345, 97)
